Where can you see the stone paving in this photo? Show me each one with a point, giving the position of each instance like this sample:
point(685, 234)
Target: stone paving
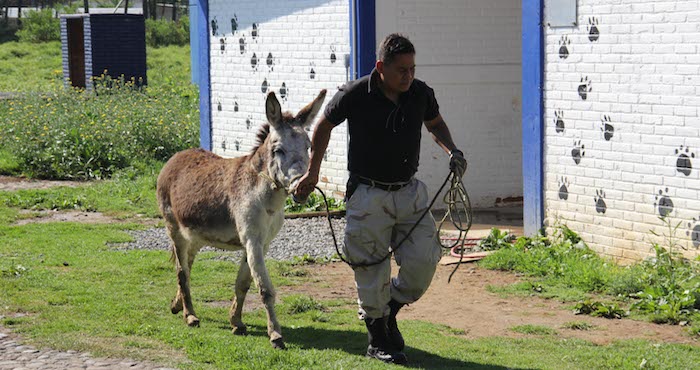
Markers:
point(16, 356)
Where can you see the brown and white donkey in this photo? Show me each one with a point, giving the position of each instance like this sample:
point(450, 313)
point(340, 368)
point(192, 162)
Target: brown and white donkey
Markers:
point(234, 204)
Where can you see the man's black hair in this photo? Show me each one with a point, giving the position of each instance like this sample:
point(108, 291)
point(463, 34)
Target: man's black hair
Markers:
point(394, 45)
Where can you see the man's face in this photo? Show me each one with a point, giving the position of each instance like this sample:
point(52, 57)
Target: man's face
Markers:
point(398, 75)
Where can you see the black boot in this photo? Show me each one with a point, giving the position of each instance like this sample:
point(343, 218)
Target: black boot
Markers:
point(379, 346)
point(395, 337)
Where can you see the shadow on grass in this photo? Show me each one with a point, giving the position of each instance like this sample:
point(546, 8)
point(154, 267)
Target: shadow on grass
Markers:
point(356, 344)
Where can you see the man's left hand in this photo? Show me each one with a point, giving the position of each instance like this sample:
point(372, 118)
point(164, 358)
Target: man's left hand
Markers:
point(457, 162)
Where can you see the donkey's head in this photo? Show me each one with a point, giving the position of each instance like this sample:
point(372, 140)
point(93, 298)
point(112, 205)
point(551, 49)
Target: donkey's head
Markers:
point(288, 143)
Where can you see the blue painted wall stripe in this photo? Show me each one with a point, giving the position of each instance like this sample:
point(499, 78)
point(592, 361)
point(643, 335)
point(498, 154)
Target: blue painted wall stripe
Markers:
point(202, 15)
point(532, 115)
point(194, 42)
point(365, 36)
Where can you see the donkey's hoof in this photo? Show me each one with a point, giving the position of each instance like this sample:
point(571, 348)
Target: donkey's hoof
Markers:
point(176, 306)
point(278, 343)
point(240, 330)
point(192, 321)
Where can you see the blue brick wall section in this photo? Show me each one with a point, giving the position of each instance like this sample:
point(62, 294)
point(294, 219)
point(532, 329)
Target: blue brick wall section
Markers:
point(64, 52)
point(118, 46)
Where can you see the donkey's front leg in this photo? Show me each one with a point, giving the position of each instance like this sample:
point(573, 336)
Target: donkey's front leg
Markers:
point(256, 262)
point(243, 281)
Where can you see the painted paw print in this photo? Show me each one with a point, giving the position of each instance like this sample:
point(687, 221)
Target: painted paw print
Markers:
point(312, 73)
point(222, 42)
point(664, 202)
point(325, 155)
point(214, 27)
point(593, 32)
point(270, 62)
point(248, 122)
point(264, 86)
point(584, 88)
point(237, 144)
point(254, 33)
point(607, 128)
point(559, 120)
point(218, 107)
point(235, 106)
point(578, 151)
point(234, 23)
point(683, 163)
point(564, 43)
point(599, 199)
point(283, 91)
point(694, 233)
point(564, 188)
point(254, 62)
point(333, 57)
point(241, 44)
point(223, 145)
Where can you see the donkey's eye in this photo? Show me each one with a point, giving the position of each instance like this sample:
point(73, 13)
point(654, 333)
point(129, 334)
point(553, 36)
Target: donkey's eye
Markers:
point(277, 152)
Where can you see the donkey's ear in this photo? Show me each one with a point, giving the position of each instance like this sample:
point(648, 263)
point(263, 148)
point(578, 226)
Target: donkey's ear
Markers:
point(306, 115)
point(273, 110)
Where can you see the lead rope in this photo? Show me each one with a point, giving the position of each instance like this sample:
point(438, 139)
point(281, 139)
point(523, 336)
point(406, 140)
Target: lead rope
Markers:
point(459, 211)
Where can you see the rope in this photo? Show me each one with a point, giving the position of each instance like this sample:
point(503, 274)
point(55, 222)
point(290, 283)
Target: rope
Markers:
point(458, 204)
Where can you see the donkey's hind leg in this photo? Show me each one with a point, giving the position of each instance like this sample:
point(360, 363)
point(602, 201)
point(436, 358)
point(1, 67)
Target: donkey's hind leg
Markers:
point(184, 258)
point(243, 281)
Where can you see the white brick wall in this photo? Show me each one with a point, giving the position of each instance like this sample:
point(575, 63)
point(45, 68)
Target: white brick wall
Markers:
point(639, 62)
point(300, 36)
point(469, 52)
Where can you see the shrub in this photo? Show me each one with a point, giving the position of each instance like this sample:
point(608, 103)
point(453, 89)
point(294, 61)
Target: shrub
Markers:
point(162, 32)
point(40, 26)
point(72, 135)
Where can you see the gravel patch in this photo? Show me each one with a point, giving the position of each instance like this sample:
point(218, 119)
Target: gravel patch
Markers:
point(298, 237)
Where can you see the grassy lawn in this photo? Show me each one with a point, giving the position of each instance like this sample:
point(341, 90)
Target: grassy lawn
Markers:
point(63, 286)
point(80, 294)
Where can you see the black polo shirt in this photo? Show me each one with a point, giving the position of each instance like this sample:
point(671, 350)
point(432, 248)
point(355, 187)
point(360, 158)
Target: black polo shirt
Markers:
point(384, 136)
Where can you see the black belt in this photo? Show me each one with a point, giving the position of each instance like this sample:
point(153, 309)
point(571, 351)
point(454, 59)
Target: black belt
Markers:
point(380, 185)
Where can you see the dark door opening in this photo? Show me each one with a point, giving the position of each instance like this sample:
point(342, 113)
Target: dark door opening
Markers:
point(76, 52)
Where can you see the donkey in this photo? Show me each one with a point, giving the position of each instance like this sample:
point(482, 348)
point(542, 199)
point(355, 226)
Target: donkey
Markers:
point(235, 204)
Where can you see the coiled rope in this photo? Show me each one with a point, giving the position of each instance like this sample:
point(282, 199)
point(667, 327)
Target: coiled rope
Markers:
point(459, 214)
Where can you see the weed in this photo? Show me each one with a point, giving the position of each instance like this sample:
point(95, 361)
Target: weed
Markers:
point(13, 271)
point(578, 325)
point(307, 259)
point(298, 303)
point(315, 203)
point(600, 309)
point(496, 239)
point(534, 330)
point(673, 289)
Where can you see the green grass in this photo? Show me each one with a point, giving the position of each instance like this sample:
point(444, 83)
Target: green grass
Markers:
point(64, 288)
point(70, 134)
point(43, 73)
point(28, 67)
point(534, 330)
point(129, 193)
point(9, 165)
point(79, 294)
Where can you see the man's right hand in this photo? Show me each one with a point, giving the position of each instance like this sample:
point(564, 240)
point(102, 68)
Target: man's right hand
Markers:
point(304, 187)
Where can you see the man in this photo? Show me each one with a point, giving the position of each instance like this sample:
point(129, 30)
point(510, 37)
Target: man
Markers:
point(385, 113)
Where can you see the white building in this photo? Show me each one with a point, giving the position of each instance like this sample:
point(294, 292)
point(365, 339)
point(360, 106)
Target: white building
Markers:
point(585, 112)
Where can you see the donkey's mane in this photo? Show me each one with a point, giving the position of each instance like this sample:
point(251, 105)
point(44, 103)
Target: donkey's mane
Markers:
point(264, 132)
point(260, 137)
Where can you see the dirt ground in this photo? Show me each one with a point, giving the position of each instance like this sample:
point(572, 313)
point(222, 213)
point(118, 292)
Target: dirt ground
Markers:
point(465, 304)
point(10, 183)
